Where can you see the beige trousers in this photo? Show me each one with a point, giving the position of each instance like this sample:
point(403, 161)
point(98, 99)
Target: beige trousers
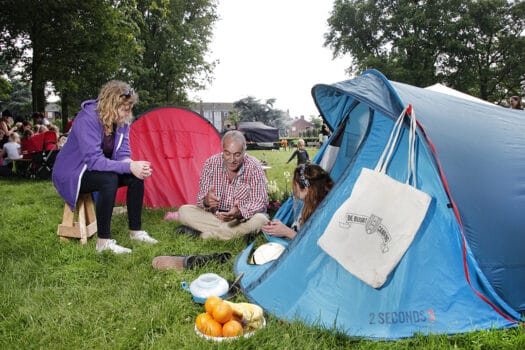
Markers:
point(211, 227)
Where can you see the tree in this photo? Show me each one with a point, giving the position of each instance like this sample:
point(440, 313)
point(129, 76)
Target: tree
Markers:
point(485, 58)
point(157, 46)
point(15, 95)
point(175, 35)
point(252, 110)
point(233, 118)
point(75, 45)
point(19, 103)
point(6, 90)
point(317, 122)
point(424, 42)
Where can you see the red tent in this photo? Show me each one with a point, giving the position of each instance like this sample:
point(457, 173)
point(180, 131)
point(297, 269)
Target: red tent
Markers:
point(176, 141)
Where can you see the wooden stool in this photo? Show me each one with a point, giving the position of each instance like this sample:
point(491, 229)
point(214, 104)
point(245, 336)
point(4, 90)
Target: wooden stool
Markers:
point(87, 222)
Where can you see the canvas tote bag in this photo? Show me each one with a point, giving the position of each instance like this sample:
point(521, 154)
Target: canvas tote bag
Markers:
point(371, 230)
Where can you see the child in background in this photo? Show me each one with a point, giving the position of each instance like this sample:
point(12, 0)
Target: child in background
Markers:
point(12, 150)
point(301, 153)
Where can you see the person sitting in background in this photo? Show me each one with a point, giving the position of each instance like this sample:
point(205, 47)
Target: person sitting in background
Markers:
point(232, 194)
point(5, 126)
point(69, 124)
point(11, 149)
point(38, 118)
point(97, 158)
point(43, 129)
point(311, 184)
point(62, 139)
point(1, 153)
point(515, 102)
point(27, 134)
point(26, 126)
point(301, 153)
point(53, 127)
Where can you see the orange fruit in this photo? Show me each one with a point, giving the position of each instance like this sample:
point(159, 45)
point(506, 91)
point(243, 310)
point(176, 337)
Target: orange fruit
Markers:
point(213, 328)
point(222, 312)
point(202, 320)
point(210, 304)
point(232, 328)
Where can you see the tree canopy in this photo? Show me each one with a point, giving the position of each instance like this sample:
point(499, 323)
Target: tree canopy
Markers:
point(158, 46)
point(249, 109)
point(476, 46)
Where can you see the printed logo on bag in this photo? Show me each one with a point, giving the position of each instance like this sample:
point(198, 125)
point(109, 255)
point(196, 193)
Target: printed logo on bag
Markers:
point(372, 225)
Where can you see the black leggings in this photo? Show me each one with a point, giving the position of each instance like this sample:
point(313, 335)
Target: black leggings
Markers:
point(106, 184)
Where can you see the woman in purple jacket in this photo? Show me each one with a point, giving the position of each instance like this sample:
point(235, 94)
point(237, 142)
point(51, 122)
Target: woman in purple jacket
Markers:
point(97, 158)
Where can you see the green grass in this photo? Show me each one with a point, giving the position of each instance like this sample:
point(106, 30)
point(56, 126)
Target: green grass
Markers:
point(63, 295)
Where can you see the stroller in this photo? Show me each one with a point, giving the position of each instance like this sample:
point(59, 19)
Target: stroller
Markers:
point(41, 149)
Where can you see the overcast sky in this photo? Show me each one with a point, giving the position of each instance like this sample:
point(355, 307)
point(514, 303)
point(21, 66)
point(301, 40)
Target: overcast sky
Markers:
point(272, 49)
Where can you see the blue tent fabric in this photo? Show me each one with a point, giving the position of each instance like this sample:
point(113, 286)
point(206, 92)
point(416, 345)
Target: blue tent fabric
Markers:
point(463, 271)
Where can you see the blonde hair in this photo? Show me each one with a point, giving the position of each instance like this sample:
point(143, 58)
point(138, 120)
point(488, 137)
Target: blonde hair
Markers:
point(112, 95)
point(14, 137)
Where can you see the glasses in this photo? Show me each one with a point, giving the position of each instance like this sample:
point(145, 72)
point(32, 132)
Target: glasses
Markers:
point(235, 155)
point(128, 93)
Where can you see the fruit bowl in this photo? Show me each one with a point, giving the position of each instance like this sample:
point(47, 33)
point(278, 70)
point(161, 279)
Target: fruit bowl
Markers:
point(219, 339)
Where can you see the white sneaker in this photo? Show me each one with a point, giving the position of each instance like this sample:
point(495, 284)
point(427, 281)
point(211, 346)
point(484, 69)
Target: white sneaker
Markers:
point(112, 245)
point(143, 236)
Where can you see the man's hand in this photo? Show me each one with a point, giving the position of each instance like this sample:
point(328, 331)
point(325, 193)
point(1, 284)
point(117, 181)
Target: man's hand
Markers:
point(231, 215)
point(211, 200)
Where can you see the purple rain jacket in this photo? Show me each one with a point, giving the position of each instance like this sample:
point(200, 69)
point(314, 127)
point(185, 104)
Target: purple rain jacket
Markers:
point(83, 151)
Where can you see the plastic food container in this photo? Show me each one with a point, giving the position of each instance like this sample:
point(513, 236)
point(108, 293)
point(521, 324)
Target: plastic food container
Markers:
point(207, 285)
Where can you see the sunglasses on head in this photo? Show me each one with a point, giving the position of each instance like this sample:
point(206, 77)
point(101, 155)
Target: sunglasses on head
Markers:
point(128, 93)
point(303, 181)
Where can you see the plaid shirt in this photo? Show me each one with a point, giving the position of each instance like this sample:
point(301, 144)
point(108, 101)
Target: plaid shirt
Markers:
point(248, 188)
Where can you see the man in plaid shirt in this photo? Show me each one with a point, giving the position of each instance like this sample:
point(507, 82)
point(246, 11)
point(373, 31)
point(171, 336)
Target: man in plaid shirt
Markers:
point(232, 194)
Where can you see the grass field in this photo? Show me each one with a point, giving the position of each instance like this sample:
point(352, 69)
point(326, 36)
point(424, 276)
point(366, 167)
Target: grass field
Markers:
point(63, 295)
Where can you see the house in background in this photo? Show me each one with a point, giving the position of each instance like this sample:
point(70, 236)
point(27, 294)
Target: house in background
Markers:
point(216, 112)
point(297, 125)
point(52, 111)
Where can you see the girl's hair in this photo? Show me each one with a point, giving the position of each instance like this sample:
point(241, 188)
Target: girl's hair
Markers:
point(318, 182)
point(112, 95)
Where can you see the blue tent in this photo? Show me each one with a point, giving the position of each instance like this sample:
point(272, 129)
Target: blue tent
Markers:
point(465, 269)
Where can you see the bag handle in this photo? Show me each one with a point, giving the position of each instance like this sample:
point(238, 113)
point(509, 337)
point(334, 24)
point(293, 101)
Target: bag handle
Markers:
point(386, 156)
point(382, 163)
point(411, 170)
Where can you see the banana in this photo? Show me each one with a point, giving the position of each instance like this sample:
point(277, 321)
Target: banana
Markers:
point(252, 315)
